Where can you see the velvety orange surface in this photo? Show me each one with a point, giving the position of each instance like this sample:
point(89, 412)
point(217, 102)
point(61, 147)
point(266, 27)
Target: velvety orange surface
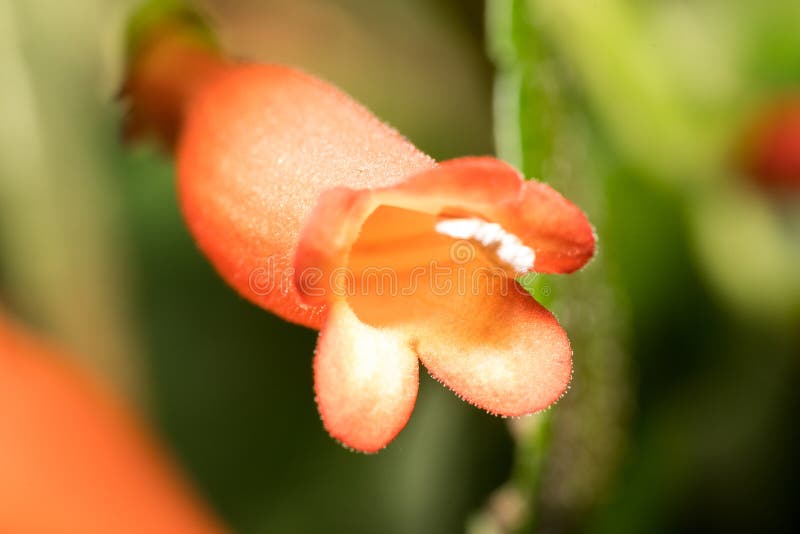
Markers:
point(258, 147)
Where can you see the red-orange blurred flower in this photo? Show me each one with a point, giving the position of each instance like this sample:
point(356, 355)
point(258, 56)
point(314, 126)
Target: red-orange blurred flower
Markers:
point(72, 460)
point(298, 195)
point(771, 151)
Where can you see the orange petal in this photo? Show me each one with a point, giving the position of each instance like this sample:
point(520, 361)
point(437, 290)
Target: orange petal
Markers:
point(477, 185)
point(366, 381)
point(478, 332)
point(555, 228)
point(326, 239)
point(259, 145)
point(504, 353)
point(73, 460)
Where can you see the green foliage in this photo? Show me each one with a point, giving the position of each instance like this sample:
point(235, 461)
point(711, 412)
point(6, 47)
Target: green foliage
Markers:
point(634, 110)
point(154, 15)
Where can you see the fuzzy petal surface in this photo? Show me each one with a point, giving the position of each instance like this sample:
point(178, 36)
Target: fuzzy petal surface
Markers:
point(504, 353)
point(259, 145)
point(479, 333)
point(555, 228)
point(366, 381)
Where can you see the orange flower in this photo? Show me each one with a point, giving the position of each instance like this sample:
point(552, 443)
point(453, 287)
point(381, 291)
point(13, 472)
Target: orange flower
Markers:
point(73, 460)
point(299, 196)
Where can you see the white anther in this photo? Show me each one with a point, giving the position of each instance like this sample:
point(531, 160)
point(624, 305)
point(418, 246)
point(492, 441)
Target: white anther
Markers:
point(506, 246)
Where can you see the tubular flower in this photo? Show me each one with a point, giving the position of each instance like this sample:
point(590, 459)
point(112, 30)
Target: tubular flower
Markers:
point(314, 209)
point(73, 460)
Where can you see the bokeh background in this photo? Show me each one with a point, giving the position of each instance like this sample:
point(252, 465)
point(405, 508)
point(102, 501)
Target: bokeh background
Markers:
point(682, 412)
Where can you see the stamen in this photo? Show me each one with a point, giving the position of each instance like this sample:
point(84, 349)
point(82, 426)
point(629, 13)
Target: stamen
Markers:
point(506, 246)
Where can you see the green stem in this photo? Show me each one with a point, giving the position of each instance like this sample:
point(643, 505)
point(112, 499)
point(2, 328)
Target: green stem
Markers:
point(565, 456)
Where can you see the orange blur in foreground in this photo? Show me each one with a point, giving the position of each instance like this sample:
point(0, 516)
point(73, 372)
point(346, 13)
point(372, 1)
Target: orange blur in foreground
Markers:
point(73, 460)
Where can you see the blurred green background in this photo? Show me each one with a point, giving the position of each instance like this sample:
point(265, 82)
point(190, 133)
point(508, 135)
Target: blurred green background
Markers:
point(681, 415)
